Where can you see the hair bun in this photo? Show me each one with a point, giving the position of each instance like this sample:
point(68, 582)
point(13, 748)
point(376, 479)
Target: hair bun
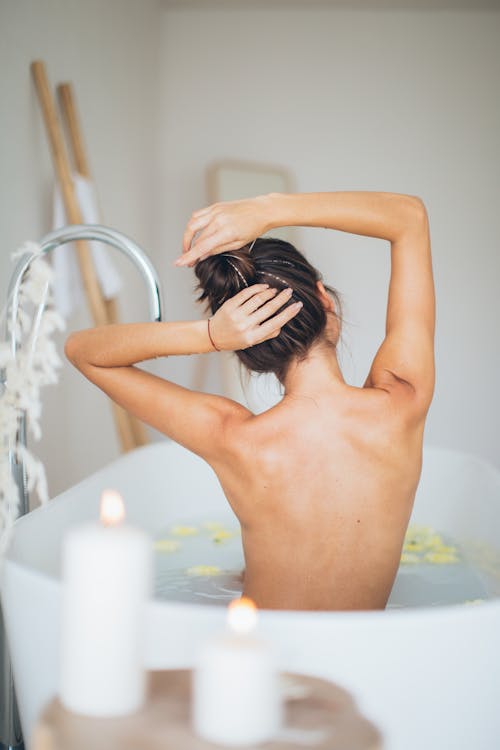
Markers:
point(224, 275)
point(279, 263)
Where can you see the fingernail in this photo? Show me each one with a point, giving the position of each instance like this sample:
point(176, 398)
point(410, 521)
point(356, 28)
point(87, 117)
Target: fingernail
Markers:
point(288, 290)
point(297, 304)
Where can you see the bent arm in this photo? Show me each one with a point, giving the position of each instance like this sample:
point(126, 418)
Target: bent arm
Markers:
point(106, 355)
point(374, 214)
point(232, 224)
point(124, 344)
point(404, 364)
point(199, 421)
point(406, 356)
point(250, 317)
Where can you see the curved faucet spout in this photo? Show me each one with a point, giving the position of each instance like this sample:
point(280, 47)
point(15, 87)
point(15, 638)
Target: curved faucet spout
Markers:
point(97, 233)
point(121, 242)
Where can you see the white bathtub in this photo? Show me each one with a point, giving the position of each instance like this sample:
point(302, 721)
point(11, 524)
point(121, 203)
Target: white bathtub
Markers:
point(428, 677)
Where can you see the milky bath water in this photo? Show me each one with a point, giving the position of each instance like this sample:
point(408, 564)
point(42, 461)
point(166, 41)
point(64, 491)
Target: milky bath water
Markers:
point(202, 562)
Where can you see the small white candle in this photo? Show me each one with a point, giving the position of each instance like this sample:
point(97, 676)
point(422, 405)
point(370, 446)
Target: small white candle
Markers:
point(236, 696)
point(107, 579)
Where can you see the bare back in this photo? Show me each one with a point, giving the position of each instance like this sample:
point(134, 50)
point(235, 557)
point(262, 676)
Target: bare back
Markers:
point(323, 484)
point(323, 490)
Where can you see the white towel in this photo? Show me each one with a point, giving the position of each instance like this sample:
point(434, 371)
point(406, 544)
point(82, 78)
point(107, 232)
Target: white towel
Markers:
point(68, 289)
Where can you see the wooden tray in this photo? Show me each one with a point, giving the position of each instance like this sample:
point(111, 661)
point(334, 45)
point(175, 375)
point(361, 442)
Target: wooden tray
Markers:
point(318, 715)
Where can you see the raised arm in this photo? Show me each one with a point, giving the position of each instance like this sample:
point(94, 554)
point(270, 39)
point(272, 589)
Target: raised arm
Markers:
point(405, 361)
point(200, 421)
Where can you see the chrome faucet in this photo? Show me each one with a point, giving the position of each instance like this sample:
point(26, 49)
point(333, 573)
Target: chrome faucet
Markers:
point(10, 728)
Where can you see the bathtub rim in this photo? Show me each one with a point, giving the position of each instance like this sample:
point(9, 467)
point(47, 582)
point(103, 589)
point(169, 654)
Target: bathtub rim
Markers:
point(173, 445)
point(194, 607)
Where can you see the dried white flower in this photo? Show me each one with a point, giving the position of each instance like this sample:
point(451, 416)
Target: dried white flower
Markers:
point(34, 365)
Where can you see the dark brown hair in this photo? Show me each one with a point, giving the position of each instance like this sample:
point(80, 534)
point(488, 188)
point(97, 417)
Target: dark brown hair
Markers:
point(279, 264)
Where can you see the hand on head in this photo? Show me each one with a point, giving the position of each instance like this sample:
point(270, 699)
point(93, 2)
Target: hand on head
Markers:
point(251, 316)
point(223, 227)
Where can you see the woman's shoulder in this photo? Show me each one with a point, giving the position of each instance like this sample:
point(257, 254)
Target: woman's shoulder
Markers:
point(396, 400)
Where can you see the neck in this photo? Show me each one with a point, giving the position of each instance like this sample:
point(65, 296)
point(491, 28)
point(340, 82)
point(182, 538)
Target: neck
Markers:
point(319, 371)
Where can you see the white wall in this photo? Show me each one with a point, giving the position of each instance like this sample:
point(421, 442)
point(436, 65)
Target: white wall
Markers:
point(385, 100)
point(109, 50)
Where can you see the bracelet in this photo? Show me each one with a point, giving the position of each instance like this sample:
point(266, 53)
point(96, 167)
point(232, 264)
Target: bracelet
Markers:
point(210, 336)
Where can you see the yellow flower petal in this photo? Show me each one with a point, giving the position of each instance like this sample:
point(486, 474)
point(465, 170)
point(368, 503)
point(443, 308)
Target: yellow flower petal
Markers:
point(221, 535)
point(166, 545)
point(434, 541)
point(440, 558)
point(203, 570)
point(413, 546)
point(446, 550)
point(213, 525)
point(408, 558)
point(184, 530)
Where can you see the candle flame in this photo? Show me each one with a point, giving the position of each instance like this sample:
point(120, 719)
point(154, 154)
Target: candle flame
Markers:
point(242, 615)
point(112, 508)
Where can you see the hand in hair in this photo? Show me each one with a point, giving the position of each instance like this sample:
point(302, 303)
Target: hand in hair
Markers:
point(250, 317)
point(222, 227)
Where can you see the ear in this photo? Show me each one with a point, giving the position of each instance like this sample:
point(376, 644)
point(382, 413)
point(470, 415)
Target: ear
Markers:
point(326, 300)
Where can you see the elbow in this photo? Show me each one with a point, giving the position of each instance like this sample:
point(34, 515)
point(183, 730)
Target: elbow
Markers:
point(72, 349)
point(418, 209)
point(414, 217)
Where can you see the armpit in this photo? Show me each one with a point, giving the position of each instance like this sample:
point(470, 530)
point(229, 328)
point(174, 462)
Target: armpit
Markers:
point(391, 376)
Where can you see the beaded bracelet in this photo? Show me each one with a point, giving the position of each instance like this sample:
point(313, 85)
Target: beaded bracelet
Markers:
point(210, 336)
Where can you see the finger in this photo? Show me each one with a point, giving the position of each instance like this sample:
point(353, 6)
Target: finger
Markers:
point(203, 211)
point(256, 301)
point(214, 242)
point(245, 294)
point(217, 251)
point(194, 225)
point(272, 306)
point(270, 327)
point(207, 232)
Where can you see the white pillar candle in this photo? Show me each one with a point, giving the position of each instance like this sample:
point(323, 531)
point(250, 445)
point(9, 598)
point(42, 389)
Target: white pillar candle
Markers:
point(236, 696)
point(107, 579)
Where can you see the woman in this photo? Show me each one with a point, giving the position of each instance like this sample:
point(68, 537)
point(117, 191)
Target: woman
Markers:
point(323, 483)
